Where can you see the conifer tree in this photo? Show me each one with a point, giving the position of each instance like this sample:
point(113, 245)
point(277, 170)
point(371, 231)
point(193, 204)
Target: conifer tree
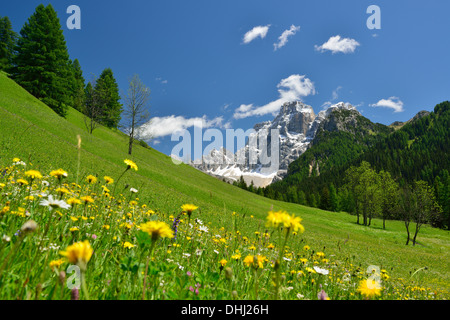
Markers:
point(77, 86)
point(108, 91)
point(42, 65)
point(8, 40)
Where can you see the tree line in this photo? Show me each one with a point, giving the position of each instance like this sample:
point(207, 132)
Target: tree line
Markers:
point(419, 151)
point(38, 60)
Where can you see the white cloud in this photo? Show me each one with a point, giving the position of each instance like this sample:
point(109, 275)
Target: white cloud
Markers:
point(165, 126)
point(393, 102)
point(161, 80)
point(337, 44)
point(292, 88)
point(259, 31)
point(283, 39)
point(335, 93)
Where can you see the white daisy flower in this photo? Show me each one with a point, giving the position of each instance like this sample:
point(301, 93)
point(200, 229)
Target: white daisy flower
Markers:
point(54, 203)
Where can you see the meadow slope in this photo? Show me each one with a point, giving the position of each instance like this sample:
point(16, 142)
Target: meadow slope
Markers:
point(32, 132)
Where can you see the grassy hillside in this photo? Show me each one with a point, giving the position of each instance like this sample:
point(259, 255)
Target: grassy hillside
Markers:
point(32, 132)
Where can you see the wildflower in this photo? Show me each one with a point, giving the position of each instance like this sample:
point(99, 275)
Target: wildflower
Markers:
point(322, 295)
point(203, 229)
point(56, 263)
point(22, 182)
point(108, 180)
point(59, 173)
point(157, 229)
point(306, 248)
point(62, 191)
point(128, 245)
point(236, 256)
point(91, 179)
point(130, 164)
point(255, 261)
point(87, 199)
point(78, 253)
point(33, 174)
point(290, 222)
point(270, 246)
point(188, 208)
point(320, 254)
point(106, 226)
point(54, 203)
point(73, 229)
point(133, 190)
point(73, 201)
point(321, 271)
point(223, 262)
point(369, 288)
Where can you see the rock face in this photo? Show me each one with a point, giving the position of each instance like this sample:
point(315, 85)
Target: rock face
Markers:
point(296, 125)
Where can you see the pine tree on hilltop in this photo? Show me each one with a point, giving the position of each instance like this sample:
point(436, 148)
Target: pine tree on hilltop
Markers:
point(42, 64)
point(8, 40)
point(108, 91)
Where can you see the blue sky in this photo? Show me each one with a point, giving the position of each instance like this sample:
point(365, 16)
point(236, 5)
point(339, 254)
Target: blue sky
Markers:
point(193, 57)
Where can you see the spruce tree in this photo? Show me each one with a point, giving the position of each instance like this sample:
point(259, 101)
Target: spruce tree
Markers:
point(42, 62)
point(77, 86)
point(8, 40)
point(108, 91)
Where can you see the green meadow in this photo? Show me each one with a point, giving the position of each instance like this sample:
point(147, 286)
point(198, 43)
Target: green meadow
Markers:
point(235, 220)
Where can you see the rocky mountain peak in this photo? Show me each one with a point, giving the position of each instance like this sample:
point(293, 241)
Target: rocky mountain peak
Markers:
point(297, 124)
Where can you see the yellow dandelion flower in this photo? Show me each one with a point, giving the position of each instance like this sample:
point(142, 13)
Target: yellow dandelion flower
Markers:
point(22, 182)
point(130, 164)
point(73, 229)
point(106, 226)
point(73, 201)
point(236, 256)
point(33, 174)
point(157, 229)
point(62, 191)
point(188, 208)
point(74, 219)
point(255, 261)
point(128, 245)
point(87, 199)
point(78, 253)
point(91, 179)
point(59, 173)
point(223, 262)
point(56, 263)
point(369, 288)
point(108, 180)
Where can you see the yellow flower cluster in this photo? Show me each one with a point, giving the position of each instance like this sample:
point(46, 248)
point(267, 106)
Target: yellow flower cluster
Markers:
point(157, 229)
point(290, 222)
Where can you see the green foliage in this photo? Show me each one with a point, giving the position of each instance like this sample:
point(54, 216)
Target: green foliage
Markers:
point(8, 40)
point(108, 91)
point(77, 86)
point(42, 64)
point(417, 151)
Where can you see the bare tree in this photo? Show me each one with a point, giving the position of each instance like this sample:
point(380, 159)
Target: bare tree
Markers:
point(136, 108)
